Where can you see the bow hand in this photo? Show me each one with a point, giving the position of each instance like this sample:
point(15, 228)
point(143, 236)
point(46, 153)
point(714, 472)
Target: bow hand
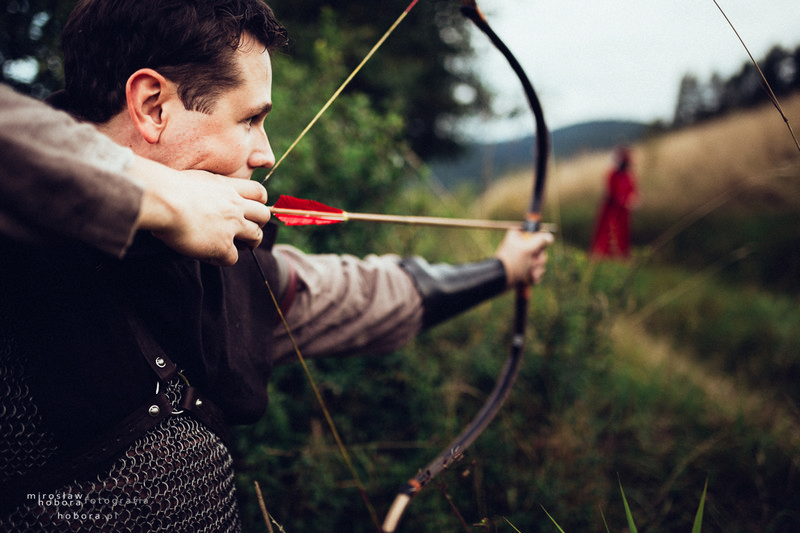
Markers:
point(524, 256)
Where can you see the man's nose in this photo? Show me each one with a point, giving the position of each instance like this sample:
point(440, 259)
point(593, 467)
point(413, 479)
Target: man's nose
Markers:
point(262, 156)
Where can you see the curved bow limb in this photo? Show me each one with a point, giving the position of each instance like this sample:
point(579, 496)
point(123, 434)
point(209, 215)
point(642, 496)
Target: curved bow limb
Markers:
point(510, 371)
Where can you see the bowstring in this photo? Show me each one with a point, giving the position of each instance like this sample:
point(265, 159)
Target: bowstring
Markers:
point(339, 442)
point(296, 348)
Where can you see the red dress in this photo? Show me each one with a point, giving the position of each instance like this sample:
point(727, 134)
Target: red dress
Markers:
point(612, 232)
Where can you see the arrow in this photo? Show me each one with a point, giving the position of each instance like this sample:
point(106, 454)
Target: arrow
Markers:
point(298, 212)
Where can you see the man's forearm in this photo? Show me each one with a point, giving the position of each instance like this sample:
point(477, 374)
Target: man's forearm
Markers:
point(60, 178)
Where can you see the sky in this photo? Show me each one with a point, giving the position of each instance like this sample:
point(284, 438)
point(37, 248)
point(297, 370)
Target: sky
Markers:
point(620, 59)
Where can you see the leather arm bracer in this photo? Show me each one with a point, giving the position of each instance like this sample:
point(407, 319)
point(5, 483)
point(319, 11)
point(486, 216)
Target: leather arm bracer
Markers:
point(448, 290)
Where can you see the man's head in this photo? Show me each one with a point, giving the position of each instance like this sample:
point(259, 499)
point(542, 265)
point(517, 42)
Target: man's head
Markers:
point(186, 83)
point(190, 42)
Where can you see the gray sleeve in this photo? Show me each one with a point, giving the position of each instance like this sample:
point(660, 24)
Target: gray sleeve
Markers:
point(347, 306)
point(62, 179)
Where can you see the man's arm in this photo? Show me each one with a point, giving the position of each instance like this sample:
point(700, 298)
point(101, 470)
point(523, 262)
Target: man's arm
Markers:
point(60, 178)
point(346, 306)
point(343, 305)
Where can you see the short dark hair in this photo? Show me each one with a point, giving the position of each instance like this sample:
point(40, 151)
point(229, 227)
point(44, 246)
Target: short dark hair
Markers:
point(190, 42)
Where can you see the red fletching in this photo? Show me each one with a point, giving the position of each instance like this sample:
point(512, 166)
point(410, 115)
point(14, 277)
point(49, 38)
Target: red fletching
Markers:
point(290, 202)
point(305, 212)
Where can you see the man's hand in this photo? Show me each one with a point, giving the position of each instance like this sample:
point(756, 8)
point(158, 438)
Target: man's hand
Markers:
point(524, 256)
point(200, 214)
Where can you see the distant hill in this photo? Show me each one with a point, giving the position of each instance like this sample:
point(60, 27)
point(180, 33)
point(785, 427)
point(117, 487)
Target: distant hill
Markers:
point(479, 160)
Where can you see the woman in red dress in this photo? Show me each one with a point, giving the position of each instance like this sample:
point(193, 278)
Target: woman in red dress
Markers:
point(612, 232)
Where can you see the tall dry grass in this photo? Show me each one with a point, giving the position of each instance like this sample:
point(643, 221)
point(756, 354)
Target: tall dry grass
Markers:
point(678, 171)
point(685, 168)
point(726, 397)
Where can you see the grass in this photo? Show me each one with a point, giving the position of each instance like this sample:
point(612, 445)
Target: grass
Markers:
point(706, 332)
point(674, 369)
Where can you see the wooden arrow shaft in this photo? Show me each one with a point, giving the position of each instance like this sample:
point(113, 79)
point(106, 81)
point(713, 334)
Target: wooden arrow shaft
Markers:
point(408, 220)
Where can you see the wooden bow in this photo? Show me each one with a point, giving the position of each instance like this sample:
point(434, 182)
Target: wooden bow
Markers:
point(531, 224)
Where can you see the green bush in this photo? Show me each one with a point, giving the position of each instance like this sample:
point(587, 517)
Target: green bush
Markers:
point(583, 414)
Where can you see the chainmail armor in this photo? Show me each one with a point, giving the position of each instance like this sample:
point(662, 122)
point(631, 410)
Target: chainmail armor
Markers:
point(177, 477)
point(23, 445)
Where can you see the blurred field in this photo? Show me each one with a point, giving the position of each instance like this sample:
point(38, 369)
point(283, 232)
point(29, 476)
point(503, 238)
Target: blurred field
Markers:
point(748, 151)
point(709, 301)
point(676, 368)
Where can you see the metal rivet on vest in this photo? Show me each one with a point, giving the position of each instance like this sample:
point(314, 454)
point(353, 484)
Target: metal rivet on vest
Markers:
point(160, 363)
point(154, 411)
point(198, 403)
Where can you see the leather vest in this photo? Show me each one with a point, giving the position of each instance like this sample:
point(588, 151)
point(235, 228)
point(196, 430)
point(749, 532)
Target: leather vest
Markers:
point(100, 335)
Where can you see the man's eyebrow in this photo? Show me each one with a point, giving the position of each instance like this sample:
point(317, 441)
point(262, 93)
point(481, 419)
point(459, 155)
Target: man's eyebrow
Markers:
point(264, 109)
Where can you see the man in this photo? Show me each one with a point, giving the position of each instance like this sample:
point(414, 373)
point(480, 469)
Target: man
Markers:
point(62, 179)
point(132, 369)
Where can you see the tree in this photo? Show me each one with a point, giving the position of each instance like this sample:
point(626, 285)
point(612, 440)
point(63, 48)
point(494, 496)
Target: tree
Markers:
point(690, 101)
point(29, 51)
point(796, 58)
point(415, 74)
point(780, 69)
point(698, 101)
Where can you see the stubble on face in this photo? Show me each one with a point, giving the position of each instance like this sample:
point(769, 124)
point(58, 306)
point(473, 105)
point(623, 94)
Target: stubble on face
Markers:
point(230, 140)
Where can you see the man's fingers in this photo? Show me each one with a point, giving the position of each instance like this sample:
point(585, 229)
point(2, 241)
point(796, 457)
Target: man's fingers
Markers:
point(251, 236)
point(256, 213)
point(524, 256)
point(226, 258)
point(251, 190)
point(540, 241)
point(255, 208)
point(539, 268)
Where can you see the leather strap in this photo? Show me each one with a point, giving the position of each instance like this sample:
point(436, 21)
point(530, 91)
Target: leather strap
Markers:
point(206, 412)
point(103, 449)
point(193, 401)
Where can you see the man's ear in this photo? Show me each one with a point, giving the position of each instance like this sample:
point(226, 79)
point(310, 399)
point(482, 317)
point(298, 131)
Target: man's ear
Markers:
point(147, 91)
